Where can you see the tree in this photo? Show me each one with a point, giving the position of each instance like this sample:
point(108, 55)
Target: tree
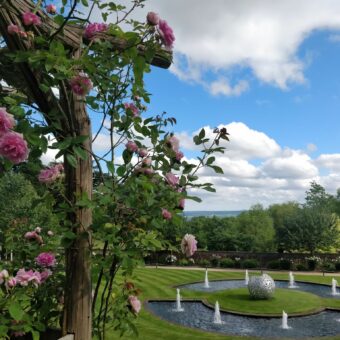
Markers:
point(310, 229)
point(318, 198)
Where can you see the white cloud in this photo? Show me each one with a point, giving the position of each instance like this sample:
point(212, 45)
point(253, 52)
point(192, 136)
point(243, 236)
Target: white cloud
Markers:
point(223, 87)
point(329, 161)
point(261, 35)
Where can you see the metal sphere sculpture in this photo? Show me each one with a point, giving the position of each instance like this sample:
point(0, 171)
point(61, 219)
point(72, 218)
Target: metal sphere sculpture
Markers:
point(261, 287)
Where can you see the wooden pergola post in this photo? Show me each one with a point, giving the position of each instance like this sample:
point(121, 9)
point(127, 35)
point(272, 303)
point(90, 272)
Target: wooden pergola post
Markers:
point(78, 181)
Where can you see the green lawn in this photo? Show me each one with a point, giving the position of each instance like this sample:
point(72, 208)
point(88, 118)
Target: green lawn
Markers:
point(158, 284)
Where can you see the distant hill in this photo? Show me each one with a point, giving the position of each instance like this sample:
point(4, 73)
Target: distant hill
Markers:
point(223, 213)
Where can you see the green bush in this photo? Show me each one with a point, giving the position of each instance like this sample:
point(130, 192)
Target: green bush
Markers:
point(227, 263)
point(301, 267)
point(204, 263)
point(183, 262)
point(275, 264)
point(250, 263)
point(311, 264)
point(215, 262)
point(328, 267)
point(286, 264)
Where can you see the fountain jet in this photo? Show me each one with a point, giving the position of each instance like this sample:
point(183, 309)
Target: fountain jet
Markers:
point(206, 280)
point(178, 302)
point(284, 320)
point(291, 281)
point(217, 315)
point(246, 278)
point(334, 285)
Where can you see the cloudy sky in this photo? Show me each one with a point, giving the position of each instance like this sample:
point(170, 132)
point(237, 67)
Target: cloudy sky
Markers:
point(267, 70)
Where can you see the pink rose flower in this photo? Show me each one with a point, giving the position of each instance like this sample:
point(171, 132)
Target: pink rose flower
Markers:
point(51, 9)
point(13, 147)
point(18, 334)
point(148, 171)
point(147, 161)
point(152, 18)
point(189, 245)
point(173, 143)
point(33, 235)
point(7, 121)
point(45, 275)
point(13, 29)
point(81, 84)
point(166, 214)
point(49, 175)
point(179, 155)
point(24, 277)
point(45, 260)
point(30, 18)
point(3, 276)
point(92, 29)
point(135, 304)
point(50, 233)
point(166, 33)
point(12, 282)
point(172, 179)
point(23, 34)
point(132, 108)
point(131, 146)
point(142, 153)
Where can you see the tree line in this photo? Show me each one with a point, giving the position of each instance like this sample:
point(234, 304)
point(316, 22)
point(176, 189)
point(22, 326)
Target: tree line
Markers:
point(288, 227)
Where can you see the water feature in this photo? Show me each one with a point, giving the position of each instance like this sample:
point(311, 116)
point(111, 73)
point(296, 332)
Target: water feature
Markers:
point(292, 281)
point(206, 280)
point(317, 289)
point(217, 314)
point(200, 316)
point(178, 302)
point(284, 324)
point(246, 278)
point(334, 285)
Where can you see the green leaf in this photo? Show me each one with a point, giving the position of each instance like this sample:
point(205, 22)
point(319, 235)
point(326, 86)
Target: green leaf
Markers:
point(210, 160)
point(201, 135)
point(217, 169)
point(210, 189)
point(85, 3)
point(15, 311)
point(194, 198)
point(71, 160)
point(127, 156)
point(110, 167)
point(80, 152)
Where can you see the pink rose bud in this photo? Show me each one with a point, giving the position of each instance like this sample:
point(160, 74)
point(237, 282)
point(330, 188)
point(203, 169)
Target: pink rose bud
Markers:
point(131, 107)
point(30, 18)
point(172, 179)
point(51, 9)
point(12, 282)
point(147, 161)
point(166, 214)
point(13, 29)
point(179, 155)
point(181, 203)
point(152, 18)
point(13, 147)
point(173, 143)
point(142, 152)
point(131, 146)
point(135, 304)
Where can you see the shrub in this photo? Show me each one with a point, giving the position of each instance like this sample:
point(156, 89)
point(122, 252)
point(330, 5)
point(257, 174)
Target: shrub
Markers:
point(285, 264)
point(328, 267)
point(204, 263)
point(275, 264)
point(227, 263)
point(183, 262)
point(337, 266)
point(301, 267)
point(215, 262)
point(250, 263)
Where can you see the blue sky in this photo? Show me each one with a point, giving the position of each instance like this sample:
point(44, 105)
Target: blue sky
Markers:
point(269, 71)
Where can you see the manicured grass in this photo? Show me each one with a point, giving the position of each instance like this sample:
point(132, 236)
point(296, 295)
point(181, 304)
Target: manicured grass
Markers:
point(159, 284)
point(293, 302)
